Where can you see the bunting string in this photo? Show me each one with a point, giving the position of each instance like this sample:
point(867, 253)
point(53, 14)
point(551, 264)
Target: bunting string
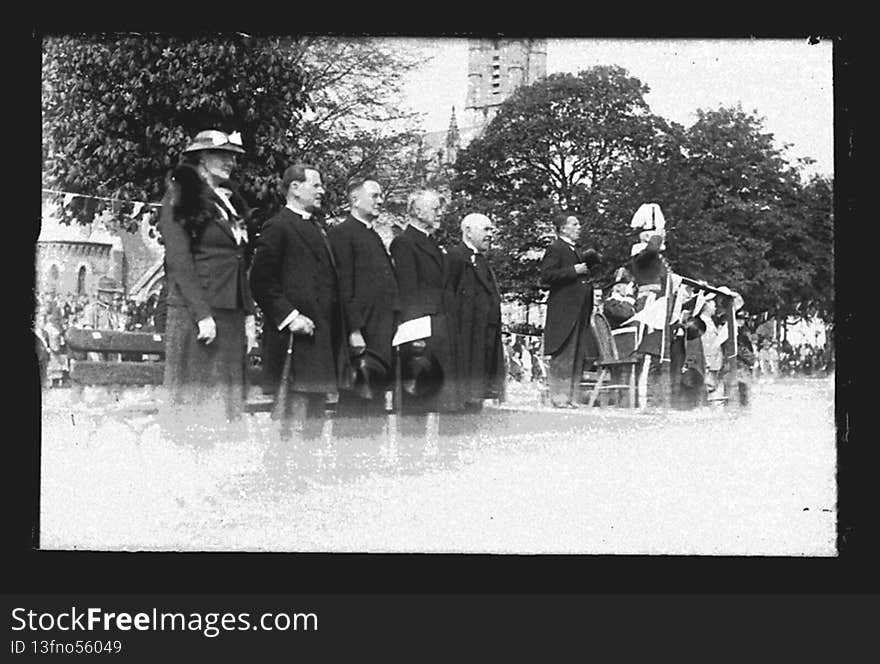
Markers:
point(69, 196)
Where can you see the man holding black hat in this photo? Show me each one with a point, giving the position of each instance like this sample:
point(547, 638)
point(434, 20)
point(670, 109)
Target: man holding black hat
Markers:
point(567, 335)
point(423, 277)
point(367, 280)
point(294, 280)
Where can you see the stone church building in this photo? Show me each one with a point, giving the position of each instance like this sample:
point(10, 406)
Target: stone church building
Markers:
point(496, 67)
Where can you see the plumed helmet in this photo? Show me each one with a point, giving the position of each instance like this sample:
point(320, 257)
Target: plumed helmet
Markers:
point(371, 375)
point(649, 217)
point(214, 139)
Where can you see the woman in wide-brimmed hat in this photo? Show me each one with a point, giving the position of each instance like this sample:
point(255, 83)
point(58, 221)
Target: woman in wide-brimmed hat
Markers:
point(210, 314)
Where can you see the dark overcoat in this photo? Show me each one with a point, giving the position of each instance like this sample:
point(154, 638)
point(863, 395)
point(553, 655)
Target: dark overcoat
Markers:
point(477, 316)
point(293, 268)
point(208, 271)
point(423, 276)
point(571, 294)
point(206, 275)
point(367, 284)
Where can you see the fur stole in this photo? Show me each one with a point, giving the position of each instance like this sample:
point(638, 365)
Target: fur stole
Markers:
point(192, 202)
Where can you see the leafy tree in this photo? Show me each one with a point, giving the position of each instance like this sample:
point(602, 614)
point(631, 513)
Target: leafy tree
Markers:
point(553, 145)
point(355, 122)
point(119, 109)
point(737, 212)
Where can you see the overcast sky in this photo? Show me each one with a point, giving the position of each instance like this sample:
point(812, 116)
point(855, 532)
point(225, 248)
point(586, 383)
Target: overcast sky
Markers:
point(788, 82)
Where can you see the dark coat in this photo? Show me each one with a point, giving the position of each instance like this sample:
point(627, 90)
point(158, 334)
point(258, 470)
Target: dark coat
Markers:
point(210, 270)
point(424, 287)
point(367, 284)
point(571, 294)
point(477, 321)
point(293, 269)
point(206, 275)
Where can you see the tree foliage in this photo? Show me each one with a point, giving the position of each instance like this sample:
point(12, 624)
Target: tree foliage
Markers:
point(552, 146)
point(737, 211)
point(119, 109)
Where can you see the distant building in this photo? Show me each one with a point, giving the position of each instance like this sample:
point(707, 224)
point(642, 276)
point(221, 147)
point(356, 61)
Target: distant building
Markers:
point(496, 68)
point(77, 259)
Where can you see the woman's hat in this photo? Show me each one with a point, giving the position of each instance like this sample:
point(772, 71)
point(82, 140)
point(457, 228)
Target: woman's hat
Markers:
point(420, 371)
point(214, 139)
point(371, 375)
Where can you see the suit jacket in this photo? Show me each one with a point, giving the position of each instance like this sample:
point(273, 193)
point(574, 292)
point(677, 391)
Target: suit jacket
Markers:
point(367, 284)
point(423, 275)
point(293, 269)
point(571, 294)
point(208, 272)
point(477, 320)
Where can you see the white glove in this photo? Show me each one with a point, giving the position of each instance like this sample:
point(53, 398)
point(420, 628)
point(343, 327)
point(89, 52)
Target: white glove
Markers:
point(250, 331)
point(356, 341)
point(207, 330)
point(302, 325)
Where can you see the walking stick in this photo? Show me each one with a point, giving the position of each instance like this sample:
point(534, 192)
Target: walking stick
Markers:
point(281, 397)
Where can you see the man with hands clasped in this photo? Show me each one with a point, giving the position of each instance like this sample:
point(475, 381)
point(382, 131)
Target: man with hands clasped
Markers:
point(295, 282)
point(567, 336)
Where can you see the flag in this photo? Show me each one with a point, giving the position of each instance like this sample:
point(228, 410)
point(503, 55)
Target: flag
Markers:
point(136, 209)
point(67, 200)
point(653, 315)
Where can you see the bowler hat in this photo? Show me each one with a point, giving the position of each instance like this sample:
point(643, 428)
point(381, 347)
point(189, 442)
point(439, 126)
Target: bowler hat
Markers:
point(371, 374)
point(213, 139)
point(420, 371)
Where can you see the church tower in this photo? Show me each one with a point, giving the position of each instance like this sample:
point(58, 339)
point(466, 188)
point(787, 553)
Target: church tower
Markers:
point(453, 140)
point(497, 67)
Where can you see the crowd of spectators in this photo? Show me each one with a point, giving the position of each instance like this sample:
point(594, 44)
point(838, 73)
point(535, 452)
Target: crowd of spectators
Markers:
point(784, 359)
point(524, 357)
point(55, 314)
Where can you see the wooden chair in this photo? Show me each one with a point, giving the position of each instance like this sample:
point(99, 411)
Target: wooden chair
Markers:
point(609, 358)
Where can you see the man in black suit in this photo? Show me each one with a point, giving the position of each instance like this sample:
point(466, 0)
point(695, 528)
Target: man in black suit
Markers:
point(477, 314)
point(367, 281)
point(567, 336)
point(295, 282)
point(423, 276)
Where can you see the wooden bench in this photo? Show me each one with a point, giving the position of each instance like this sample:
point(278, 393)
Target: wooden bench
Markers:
point(149, 369)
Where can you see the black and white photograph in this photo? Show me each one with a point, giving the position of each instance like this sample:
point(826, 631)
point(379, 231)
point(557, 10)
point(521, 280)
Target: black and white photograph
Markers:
point(443, 295)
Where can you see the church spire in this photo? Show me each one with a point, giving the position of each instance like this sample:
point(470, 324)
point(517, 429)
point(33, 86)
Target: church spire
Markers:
point(453, 138)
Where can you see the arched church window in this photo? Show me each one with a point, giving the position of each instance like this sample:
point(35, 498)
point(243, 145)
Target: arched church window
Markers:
point(81, 281)
point(53, 278)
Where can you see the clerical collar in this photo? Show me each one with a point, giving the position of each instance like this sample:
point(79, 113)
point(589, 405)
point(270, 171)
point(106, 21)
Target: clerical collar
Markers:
point(300, 211)
point(571, 242)
point(368, 224)
point(470, 246)
point(420, 230)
